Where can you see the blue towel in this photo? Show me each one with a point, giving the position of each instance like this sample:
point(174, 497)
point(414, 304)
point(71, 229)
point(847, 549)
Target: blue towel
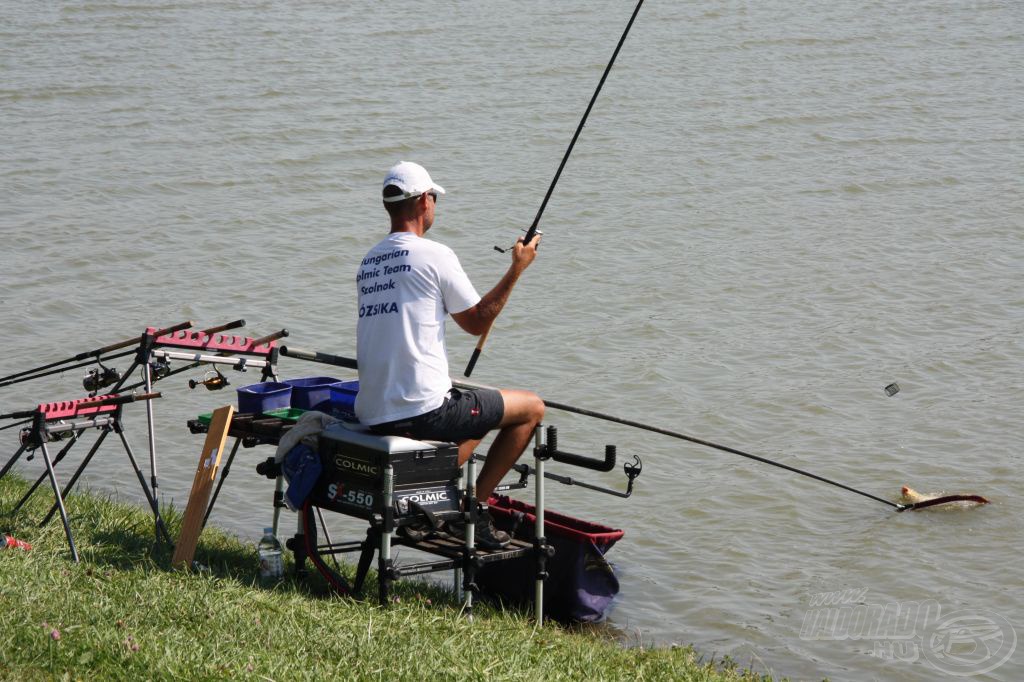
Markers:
point(302, 469)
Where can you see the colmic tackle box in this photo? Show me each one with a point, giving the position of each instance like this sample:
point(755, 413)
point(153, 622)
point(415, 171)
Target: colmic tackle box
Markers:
point(354, 462)
point(348, 454)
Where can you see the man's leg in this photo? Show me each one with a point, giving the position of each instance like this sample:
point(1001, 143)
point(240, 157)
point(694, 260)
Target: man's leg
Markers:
point(466, 449)
point(524, 410)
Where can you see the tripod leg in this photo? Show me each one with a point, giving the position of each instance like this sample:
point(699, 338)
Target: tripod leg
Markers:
point(60, 502)
point(147, 369)
point(42, 477)
point(77, 474)
point(161, 529)
point(12, 460)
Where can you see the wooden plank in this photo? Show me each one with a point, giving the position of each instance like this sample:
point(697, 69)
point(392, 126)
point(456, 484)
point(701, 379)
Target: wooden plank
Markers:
point(202, 486)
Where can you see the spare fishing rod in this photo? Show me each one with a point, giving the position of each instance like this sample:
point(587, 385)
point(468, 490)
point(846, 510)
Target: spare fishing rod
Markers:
point(530, 233)
point(92, 353)
point(26, 376)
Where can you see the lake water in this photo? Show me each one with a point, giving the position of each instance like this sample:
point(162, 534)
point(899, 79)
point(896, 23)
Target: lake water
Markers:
point(775, 210)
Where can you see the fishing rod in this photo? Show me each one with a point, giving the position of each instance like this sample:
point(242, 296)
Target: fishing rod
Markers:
point(338, 360)
point(97, 380)
point(93, 353)
point(64, 368)
point(724, 448)
point(924, 504)
point(530, 233)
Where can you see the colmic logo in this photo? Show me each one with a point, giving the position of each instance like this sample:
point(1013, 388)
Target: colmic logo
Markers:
point(424, 497)
point(355, 466)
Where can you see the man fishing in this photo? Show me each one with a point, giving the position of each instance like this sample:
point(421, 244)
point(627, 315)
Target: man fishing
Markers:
point(407, 285)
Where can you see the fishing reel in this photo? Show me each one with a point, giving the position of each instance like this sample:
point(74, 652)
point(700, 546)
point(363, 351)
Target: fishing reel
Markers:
point(31, 439)
point(100, 377)
point(160, 369)
point(212, 383)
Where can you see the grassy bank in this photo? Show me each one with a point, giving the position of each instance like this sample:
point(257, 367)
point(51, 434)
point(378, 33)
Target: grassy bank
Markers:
point(122, 614)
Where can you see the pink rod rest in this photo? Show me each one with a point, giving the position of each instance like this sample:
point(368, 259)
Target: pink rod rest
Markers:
point(64, 409)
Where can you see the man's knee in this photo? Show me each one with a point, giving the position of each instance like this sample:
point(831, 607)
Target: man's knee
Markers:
point(536, 408)
point(522, 407)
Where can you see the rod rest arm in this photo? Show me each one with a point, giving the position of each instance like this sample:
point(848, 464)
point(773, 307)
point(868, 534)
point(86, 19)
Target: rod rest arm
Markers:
point(593, 463)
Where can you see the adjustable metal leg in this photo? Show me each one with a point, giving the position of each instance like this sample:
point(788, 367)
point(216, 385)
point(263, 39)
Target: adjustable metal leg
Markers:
point(148, 372)
point(298, 543)
point(76, 475)
point(12, 460)
point(278, 500)
point(365, 558)
point(469, 556)
point(538, 595)
point(42, 477)
point(60, 501)
point(161, 529)
point(457, 573)
point(384, 556)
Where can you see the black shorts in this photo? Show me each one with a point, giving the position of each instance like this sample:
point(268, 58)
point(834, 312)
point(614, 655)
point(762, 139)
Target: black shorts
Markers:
point(465, 415)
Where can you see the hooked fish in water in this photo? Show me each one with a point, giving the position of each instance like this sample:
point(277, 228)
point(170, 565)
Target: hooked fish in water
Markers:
point(909, 496)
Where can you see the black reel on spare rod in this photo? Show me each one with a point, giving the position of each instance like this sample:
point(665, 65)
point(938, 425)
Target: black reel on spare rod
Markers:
point(161, 369)
point(100, 377)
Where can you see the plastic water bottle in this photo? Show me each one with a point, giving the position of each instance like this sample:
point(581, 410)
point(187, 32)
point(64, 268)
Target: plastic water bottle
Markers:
point(271, 561)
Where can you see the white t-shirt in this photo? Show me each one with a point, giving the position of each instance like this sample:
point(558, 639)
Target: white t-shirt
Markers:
point(407, 286)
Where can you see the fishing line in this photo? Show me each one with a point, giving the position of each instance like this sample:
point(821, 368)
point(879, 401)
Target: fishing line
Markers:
point(340, 361)
point(724, 448)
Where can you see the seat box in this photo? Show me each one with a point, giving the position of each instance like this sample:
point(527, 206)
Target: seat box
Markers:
point(350, 454)
point(363, 498)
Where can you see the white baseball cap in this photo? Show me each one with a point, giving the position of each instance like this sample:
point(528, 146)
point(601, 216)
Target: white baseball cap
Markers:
point(412, 178)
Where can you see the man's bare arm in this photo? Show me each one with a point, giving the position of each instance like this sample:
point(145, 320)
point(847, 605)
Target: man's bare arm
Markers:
point(478, 319)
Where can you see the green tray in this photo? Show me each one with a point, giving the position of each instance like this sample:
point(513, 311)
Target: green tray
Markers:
point(288, 414)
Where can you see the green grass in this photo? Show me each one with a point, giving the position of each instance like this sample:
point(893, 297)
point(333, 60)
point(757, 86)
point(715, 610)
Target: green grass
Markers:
point(123, 614)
